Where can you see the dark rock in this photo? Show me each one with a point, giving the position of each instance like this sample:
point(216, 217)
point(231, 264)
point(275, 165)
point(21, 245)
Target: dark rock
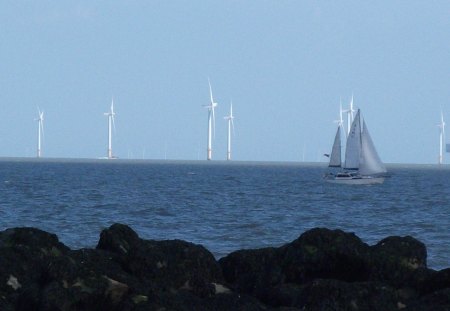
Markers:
point(435, 301)
point(435, 281)
point(163, 265)
point(338, 295)
point(396, 259)
point(318, 253)
point(118, 239)
point(185, 301)
point(34, 239)
point(278, 276)
point(89, 278)
point(324, 253)
point(24, 254)
point(252, 272)
point(287, 295)
point(235, 302)
point(321, 270)
point(173, 265)
point(322, 294)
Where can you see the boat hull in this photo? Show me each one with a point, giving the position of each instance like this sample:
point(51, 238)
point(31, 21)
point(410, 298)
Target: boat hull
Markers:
point(359, 180)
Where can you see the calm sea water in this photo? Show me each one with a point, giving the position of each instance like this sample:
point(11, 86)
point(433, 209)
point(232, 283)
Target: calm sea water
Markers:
point(223, 206)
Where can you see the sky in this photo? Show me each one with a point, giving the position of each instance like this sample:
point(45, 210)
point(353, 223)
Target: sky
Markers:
point(285, 65)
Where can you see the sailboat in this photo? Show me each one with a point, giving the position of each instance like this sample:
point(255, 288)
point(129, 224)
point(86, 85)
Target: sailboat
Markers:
point(362, 165)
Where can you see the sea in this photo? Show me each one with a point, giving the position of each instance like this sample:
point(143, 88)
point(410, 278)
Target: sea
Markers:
point(224, 206)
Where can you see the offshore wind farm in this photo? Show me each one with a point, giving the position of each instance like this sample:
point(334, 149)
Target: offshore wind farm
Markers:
point(285, 75)
point(210, 134)
point(208, 122)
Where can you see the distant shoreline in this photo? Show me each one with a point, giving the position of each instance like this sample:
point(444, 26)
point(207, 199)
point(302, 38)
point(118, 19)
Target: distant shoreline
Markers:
point(200, 162)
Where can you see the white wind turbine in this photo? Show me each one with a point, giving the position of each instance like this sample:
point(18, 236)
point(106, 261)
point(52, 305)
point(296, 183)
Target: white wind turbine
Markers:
point(230, 124)
point(111, 124)
point(211, 122)
point(350, 112)
point(340, 122)
point(40, 120)
point(441, 138)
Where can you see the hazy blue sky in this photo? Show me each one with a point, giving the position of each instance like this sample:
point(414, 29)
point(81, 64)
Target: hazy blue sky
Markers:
point(285, 65)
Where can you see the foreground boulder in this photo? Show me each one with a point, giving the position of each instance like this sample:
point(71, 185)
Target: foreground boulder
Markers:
point(321, 270)
point(163, 266)
point(325, 268)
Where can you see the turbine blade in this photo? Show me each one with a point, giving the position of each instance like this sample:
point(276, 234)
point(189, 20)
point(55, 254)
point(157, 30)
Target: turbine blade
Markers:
point(210, 92)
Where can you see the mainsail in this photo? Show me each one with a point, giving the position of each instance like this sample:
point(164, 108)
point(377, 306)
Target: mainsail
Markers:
point(335, 157)
point(370, 162)
point(353, 147)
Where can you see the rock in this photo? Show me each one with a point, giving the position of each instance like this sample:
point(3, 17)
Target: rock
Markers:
point(435, 301)
point(24, 254)
point(184, 300)
point(434, 281)
point(88, 278)
point(235, 302)
point(323, 294)
point(278, 276)
point(396, 259)
point(318, 253)
point(324, 253)
point(321, 270)
point(252, 272)
point(163, 265)
point(34, 239)
point(118, 239)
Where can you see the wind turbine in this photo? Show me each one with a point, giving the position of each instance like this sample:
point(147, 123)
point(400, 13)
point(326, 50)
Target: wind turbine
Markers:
point(340, 122)
point(441, 138)
point(230, 124)
point(111, 124)
point(349, 112)
point(40, 120)
point(211, 122)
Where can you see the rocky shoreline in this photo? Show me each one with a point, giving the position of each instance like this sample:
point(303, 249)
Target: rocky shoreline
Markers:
point(321, 270)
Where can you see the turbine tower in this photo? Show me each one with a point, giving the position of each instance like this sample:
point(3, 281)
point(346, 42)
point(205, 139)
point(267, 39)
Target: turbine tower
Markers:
point(40, 120)
point(350, 112)
point(340, 122)
point(211, 122)
point(441, 138)
point(111, 124)
point(230, 124)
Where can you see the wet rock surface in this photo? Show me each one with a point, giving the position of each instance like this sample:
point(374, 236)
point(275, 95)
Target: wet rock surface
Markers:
point(321, 270)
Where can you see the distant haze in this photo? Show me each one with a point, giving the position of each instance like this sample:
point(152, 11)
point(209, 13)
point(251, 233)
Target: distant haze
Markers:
point(284, 64)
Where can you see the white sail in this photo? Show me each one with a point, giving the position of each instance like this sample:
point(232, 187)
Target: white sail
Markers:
point(335, 157)
point(370, 162)
point(353, 147)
